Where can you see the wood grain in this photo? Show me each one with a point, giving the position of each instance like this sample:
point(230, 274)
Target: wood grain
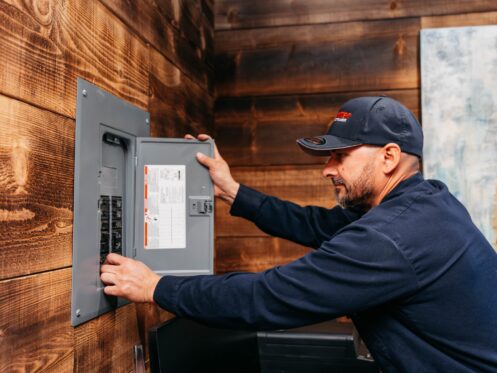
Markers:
point(149, 315)
point(303, 185)
point(263, 130)
point(177, 104)
point(181, 30)
point(36, 189)
point(105, 344)
point(47, 44)
point(254, 254)
point(35, 330)
point(460, 20)
point(234, 14)
point(357, 56)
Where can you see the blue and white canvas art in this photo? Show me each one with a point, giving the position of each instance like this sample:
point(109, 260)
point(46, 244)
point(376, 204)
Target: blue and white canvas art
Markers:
point(459, 116)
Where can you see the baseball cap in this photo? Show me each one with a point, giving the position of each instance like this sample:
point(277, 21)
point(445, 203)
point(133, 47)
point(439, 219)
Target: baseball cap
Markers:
point(372, 121)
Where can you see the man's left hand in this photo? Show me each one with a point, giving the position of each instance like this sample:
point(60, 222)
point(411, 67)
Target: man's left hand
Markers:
point(128, 278)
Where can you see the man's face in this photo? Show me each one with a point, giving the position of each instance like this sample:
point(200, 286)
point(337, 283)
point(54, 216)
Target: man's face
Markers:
point(352, 172)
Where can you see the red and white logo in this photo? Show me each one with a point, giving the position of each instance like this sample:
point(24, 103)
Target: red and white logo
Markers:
point(342, 116)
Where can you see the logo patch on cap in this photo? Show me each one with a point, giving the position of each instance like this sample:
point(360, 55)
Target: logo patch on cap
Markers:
point(315, 140)
point(342, 116)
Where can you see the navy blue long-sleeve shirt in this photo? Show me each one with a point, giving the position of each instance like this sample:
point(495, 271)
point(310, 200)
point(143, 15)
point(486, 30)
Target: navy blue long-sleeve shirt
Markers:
point(414, 273)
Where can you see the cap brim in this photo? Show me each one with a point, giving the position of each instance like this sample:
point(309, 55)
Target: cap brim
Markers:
point(322, 145)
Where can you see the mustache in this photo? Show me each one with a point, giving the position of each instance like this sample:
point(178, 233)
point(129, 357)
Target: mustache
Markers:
point(337, 181)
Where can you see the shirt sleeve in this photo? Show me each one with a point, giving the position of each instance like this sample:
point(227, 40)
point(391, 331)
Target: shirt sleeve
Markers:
point(358, 269)
point(309, 226)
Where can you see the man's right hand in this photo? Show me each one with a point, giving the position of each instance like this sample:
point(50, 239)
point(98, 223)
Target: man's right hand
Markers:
point(225, 187)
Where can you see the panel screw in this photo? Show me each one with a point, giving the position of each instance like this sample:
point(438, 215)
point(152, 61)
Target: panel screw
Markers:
point(78, 312)
point(84, 92)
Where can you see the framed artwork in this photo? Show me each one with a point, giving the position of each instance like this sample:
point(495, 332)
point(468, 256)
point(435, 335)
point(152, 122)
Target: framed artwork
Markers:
point(459, 117)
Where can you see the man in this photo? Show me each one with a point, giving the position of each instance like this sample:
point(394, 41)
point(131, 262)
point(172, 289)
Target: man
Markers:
point(401, 256)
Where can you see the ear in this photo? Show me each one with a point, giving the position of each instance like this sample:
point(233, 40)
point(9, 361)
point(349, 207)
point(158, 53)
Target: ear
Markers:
point(391, 157)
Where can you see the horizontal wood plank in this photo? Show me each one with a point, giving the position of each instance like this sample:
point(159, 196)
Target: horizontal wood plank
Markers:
point(180, 30)
point(47, 45)
point(460, 20)
point(64, 365)
point(177, 104)
point(263, 130)
point(149, 315)
point(35, 330)
point(36, 189)
point(105, 344)
point(234, 14)
point(357, 56)
point(254, 254)
point(303, 185)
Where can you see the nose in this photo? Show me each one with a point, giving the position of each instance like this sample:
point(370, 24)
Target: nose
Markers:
point(330, 168)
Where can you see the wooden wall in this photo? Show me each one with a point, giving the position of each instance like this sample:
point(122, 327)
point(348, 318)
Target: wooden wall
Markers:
point(283, 68)
point(157, 54)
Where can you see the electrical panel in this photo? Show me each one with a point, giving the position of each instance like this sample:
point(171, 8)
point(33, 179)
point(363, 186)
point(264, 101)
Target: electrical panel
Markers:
point(142, 197)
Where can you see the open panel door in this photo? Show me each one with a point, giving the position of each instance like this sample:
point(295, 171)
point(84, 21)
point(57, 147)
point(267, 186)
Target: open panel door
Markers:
point(174, 207)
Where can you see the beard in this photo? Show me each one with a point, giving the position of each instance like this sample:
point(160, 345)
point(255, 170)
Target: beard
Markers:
point(357, 194)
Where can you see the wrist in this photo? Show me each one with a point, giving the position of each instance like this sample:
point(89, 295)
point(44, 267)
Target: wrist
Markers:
point(153, 285)
point(229, 194)
point(233, 191)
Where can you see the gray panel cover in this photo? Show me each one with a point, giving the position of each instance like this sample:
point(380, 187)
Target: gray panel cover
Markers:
point(99, 112)
point(196, 257)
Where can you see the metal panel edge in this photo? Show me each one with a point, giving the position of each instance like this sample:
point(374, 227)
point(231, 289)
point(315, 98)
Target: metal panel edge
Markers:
point(89, 94)
point(210, 270)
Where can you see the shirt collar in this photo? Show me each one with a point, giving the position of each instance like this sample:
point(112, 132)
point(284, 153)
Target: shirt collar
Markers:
point(403, 186)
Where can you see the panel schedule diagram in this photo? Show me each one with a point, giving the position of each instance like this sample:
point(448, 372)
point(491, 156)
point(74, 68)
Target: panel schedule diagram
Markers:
point(165, 207)
point(142, 197)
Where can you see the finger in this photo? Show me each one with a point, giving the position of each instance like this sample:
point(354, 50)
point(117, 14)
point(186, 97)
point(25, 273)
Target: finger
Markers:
point(108, 278)
point(189, 137)
point(114, 258)
point(107, 268)
point(205, 160)
point(216, 152)
point(112, 290)
point(203, 137)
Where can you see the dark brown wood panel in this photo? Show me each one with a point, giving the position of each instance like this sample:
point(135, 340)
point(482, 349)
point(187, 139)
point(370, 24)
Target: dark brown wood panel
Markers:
point(263, 130)
point(177, 104)
point(149, 315)
point(460, 20)
point(356, 56)
point(179, 29)
point(35, 330)
point(233, 14)
point(303, 185)
point(105, 344)
point(254, 254)
point(65, 365)
point(46, 45)
point(36, 189)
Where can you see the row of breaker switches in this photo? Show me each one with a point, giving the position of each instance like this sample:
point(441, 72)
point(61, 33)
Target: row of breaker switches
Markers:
point(111, 225)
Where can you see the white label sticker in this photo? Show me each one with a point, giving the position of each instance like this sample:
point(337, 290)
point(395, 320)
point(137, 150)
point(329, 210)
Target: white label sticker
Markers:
point(165, 207)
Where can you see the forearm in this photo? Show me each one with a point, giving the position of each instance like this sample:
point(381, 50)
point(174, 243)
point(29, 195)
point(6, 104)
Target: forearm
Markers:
point(309, 226)
point(235, 300)
point(332, 281)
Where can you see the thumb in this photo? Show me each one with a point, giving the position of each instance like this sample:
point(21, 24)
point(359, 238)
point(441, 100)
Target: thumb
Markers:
point(114, 258)
point(205, 160)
